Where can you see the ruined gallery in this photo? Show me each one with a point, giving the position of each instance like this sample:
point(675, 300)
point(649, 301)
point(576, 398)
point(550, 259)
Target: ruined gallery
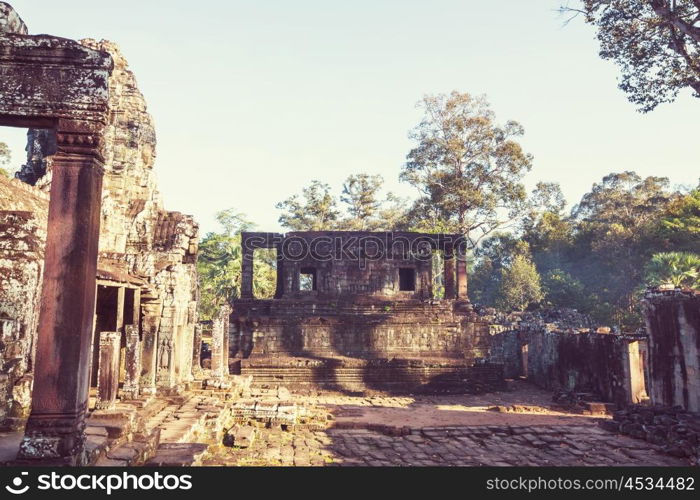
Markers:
point(367, 351)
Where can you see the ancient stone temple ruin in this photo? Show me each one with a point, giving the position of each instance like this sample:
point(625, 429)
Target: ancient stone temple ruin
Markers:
point(117, 309)
point(103, 360)
point(358, 310)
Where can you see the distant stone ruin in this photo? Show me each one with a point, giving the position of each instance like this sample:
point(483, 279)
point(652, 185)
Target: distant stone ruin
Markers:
point(359, 311)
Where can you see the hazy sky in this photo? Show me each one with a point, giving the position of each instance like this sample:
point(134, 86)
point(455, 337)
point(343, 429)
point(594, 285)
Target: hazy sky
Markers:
point(252, 99)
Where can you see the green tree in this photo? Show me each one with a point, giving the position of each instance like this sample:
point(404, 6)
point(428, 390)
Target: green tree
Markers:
point(361, 197)
point(467, 168)
point(680, 269)
point(361, 207)
point(613, 240)
point(491, 258)
point(219, 265)
point(520, 285)
point(315, 210)
point(561, 289)
point(656, 44)
point(679, 227)
point(5, 157)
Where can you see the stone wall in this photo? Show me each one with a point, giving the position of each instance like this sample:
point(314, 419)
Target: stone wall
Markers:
point(605, 364)
point(402, 345)
point(382, 329)
point(673, 323)
point(23, 214)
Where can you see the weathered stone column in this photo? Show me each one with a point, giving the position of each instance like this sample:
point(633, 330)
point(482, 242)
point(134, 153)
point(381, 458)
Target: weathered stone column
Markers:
point(461, 292)
point(61, 375)
point(217, 351)
point(132, 376)
point(149, 349)
point(220, 343)
point(247, 273)
point(449, 275)
point(108, 370)
point(226, 347)
point(197, 351)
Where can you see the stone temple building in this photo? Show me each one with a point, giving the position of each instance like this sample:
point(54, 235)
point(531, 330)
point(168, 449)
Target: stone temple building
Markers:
point(146, 284)
point(359, 310)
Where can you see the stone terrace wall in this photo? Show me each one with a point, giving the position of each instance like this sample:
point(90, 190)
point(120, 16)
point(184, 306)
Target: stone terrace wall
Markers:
point(23, 215)
point(573, 359)
point(673, 322)
point(384, 329)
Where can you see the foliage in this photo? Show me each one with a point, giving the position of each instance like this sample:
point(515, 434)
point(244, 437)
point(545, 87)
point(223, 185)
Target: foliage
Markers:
point(360, 207)
point(5, 157)
point(467, 168)
point(597, 258)
point(680, 269)
point(679, 228)
point(656, 44)
point(520, 285)
point(315, 210)
point(219, 265)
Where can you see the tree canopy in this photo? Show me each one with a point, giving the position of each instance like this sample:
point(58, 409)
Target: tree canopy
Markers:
point(467, 168)
point(361, 207)
point(219, 265)
point(656, 44)
point(5, 157)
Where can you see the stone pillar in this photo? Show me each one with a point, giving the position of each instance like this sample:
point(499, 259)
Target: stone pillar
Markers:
point(219, 343)
point(164, 378)
point(149, 349)
point(54, 431)
point(226, 347)
point(167, 350)
point(449, 275)
point(247, 273)
point(461, 291)
point(132, 363)
point(197, 351)
point(136, 319)
point(121, 293)
point(108, 370)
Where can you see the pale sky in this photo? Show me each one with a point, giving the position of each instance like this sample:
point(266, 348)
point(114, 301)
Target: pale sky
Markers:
point(253, 99)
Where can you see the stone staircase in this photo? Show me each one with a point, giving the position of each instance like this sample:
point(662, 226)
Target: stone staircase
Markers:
point(171, 431)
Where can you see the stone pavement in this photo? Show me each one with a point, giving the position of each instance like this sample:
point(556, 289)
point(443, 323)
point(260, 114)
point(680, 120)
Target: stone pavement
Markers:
point(443, 431)
point(456, 446)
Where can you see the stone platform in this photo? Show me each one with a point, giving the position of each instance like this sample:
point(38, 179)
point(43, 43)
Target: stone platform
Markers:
point(354, 375)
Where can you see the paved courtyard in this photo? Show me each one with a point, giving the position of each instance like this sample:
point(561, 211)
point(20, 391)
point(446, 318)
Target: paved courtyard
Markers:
point(455, 430)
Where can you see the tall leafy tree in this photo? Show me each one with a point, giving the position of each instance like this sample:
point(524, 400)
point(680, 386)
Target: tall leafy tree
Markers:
point(5, 157)
point(219, 265)
point(361, 207)
point(656, 44)
point(679, 227)
point(361, 198)
point(467, 168)
point(315, 210)
point(520, 285)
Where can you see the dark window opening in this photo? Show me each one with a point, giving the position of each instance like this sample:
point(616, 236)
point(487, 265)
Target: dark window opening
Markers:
point(407, 279)
point(307, 279)
point(129, 313)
